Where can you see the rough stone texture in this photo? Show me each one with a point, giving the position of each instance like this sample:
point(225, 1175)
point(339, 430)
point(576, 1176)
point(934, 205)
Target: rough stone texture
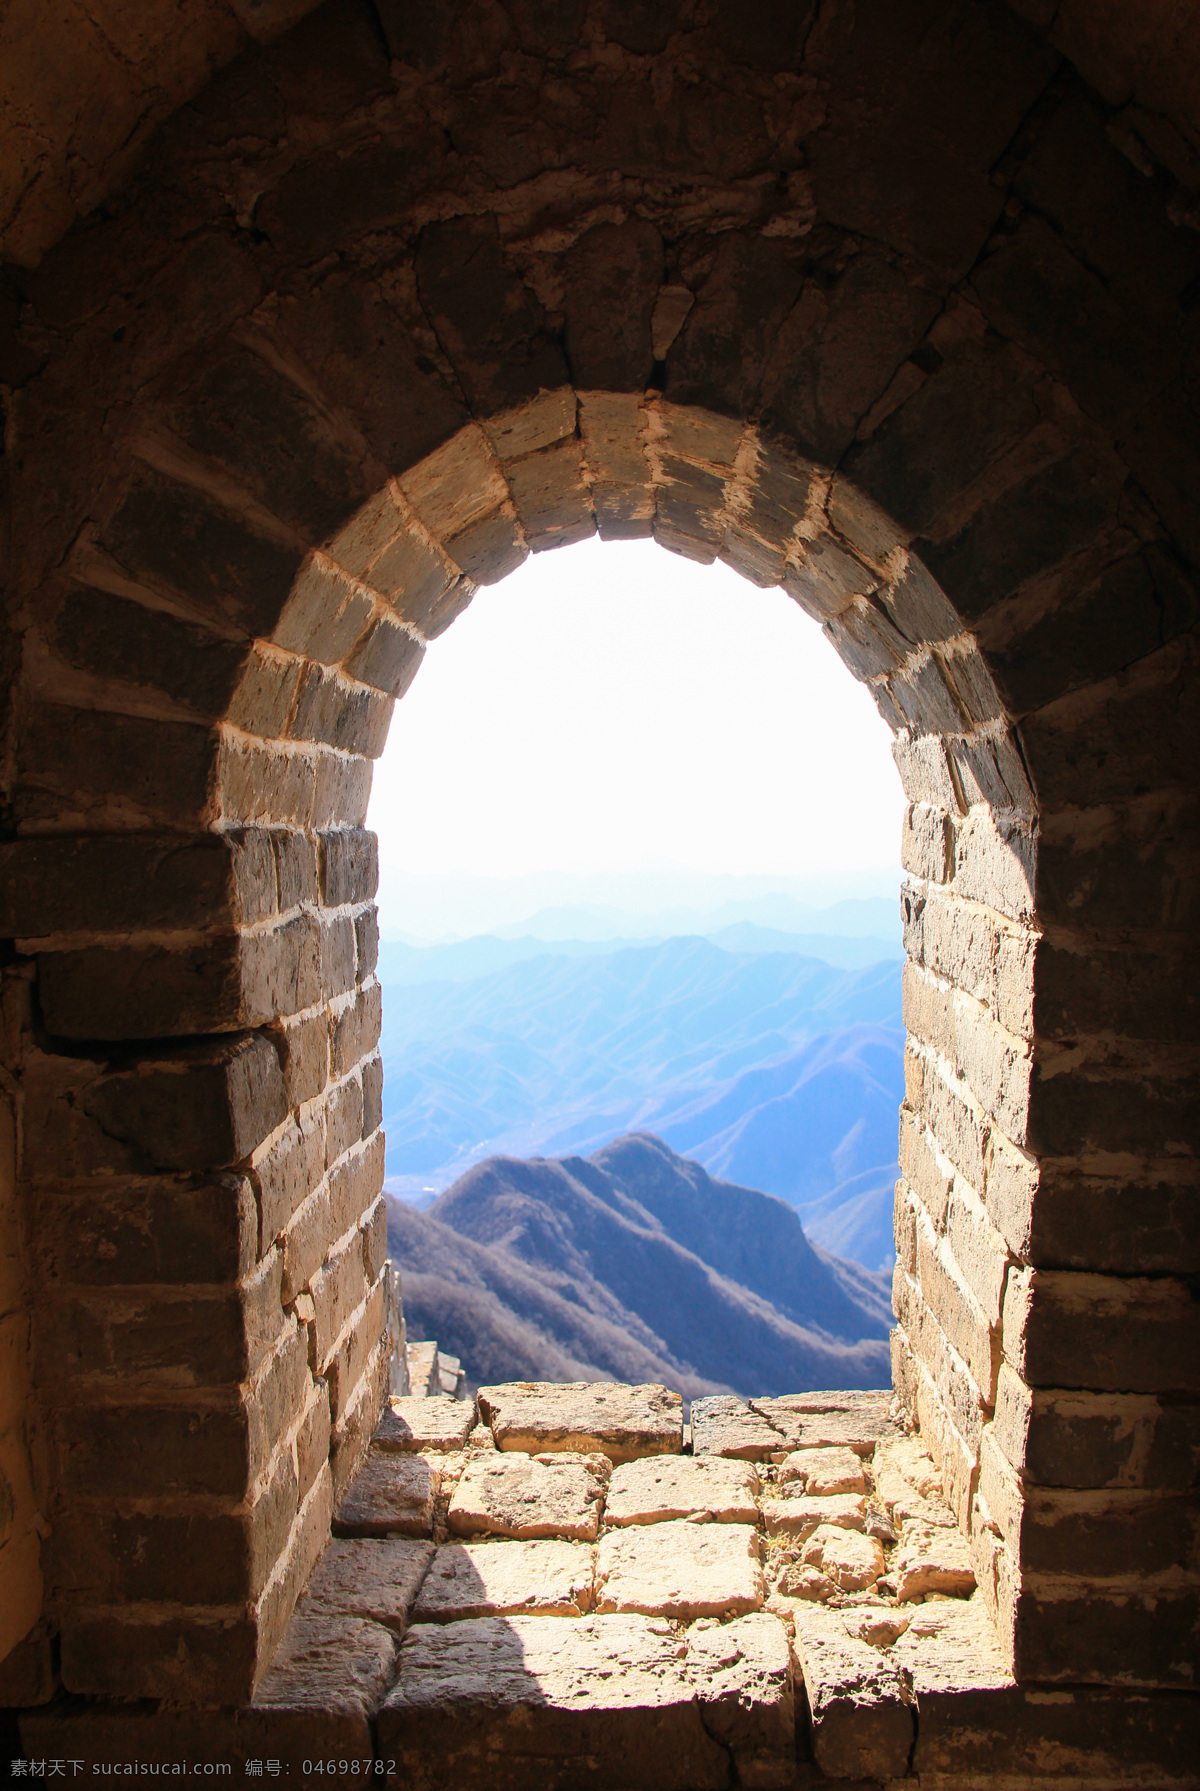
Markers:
point(799, 1517)
point(862, 1722)
point(532, 1699)
point(820, 1421)
point(680, 1569)
point(375, 1579)
point(820, 1472)
point(726, 1426)
point(413, 1424)
point(933, 1561)
point(508, 1701)
point(492, 1579)
point(852, 1561)
point(618, 1421)
point(657, 1488)
point(391, 1495)
point(530, 1496)
point(328, 1668)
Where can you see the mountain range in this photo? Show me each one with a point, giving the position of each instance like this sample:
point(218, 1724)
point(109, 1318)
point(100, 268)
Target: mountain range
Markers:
point(770, 1067)
point(634, 1264)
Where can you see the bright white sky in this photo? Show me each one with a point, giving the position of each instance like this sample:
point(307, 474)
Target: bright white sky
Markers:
point(613, 706)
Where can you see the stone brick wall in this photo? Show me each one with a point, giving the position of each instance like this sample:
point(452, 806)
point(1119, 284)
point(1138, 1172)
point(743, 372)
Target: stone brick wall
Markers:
point(376, 320)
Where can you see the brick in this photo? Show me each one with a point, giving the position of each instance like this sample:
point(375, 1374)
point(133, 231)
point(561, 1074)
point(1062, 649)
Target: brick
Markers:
point(366, 939)
point(1144, 1223)
point(289, 1171)
point(612, 279)
point(280, 970)
point(113, 1652)
point(550, 497)
point(926, 842)
point(151, 1451)
point(349, 866)
point(206, 1106)
point(192, 1556)
point(388, 657)
point(341, 789)
point(246, 416)
point(349, 1361)
point(312, 1439)
point(1026, 531)
point(1066, 1438)
point(325, 614)
point(265, 692)
point(305, 1241)
point(150, 1339)
point(165, 1230)
point(343, 1118)
point(112, 769)
point(717, 360)
point(117, 883)
point(337, 1288)
point(339, 953)
point(259, 785)
point(374, 1232)
point(305, 1053)
point(334, 712)
point(372, 1085)
point(355, 1028)
point(242, 575)
point(354, 1186)
point(1110, 1334)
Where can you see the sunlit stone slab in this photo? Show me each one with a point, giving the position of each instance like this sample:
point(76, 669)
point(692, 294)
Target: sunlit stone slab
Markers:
point(500, 1579)
point(391, 1495)
point(530, 1496)
point(411, 1424)
point(661, 1487)
point(680, 1569)
point(622, 1422)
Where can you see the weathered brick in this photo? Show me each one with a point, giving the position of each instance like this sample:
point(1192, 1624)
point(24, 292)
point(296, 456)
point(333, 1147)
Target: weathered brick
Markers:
point(349, 866)
point(163, 1229)
point(372, 1087)
point(338, 1288)
point(1102, 1332)
point(355, 1029)
point(288, 1171)
point(1065, 1438)
point(339, 953)
point(354, 1185)
point(325, 614)
point(343, 1117)
point(927, 842)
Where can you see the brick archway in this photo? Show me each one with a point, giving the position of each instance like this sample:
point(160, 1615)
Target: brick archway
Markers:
point(278, 414)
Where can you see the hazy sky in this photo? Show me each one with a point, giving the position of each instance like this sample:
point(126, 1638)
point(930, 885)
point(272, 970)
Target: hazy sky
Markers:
point(613, 706)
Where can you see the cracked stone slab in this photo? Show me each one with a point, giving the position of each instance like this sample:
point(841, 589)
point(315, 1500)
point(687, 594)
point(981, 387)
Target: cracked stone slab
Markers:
point(799, 1517)
point(377, 1578)
point(410, 1424)
point(742, 1672)
point(391, 1495)
point(862, 1722)
point(503, 1703)
point(661, 1487)
point(932, 1560)
point(723, 1425)
point(530, 1496)
point(849, 1420)
point(680, 1569)
point(850, 1559)
point(501, 1579)
point(584, 1417)
point(329, 1677)
point(820, 1472)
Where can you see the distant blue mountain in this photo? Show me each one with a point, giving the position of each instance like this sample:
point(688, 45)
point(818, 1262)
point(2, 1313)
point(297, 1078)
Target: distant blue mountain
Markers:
point(772, 1069)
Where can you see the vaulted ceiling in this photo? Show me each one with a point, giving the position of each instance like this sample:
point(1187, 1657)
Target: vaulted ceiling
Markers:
point(84, 83)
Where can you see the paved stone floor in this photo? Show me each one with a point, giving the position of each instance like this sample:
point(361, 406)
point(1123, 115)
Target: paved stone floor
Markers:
point(556, 1588)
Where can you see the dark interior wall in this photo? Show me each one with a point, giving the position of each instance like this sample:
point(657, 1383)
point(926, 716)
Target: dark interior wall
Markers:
point(874, 302)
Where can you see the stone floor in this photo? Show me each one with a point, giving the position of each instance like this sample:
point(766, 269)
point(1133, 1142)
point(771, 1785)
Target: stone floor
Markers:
point(551, 1589)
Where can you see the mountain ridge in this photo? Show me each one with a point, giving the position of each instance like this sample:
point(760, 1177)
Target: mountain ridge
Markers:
point(601, 1268)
